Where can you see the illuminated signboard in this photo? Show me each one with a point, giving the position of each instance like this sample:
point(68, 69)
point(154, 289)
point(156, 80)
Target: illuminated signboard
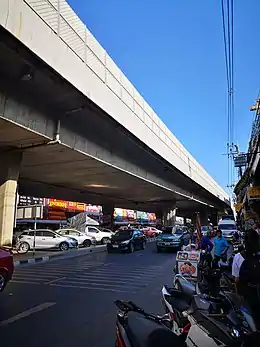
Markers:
point(73, 206)
point(57, 203)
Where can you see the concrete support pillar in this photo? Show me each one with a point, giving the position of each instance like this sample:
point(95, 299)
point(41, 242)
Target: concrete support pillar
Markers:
point(108, 215)
point(204, 217)
point(159, 217)
point(9, 174)
point(214, 218)
point(169, 216)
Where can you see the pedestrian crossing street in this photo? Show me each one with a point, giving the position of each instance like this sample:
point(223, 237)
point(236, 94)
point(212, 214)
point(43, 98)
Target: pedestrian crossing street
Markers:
point(116, 277)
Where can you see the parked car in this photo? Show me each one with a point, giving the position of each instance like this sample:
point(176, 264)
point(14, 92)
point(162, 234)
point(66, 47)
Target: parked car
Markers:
point(100, 235)
point(151, 231)
point(6, 267)
point(44, 239)
point(126, 240)
point(173, 238)
point(83, 239)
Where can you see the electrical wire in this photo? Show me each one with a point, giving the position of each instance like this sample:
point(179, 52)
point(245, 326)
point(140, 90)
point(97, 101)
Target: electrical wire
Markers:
point(227, 11)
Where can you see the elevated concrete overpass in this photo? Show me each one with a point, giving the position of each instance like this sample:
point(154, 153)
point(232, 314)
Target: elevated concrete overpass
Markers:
point(106, 150)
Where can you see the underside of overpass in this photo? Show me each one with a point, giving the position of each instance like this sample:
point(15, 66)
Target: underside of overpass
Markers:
point(136, 177)
point(61, 172)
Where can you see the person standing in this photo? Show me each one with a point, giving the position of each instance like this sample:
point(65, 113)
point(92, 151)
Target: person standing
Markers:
point(248, 279)
point(221, 246)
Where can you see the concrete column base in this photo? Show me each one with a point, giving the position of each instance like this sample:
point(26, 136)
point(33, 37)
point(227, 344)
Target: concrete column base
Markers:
point(9, 172)
point(108, 215)
point(7, 211)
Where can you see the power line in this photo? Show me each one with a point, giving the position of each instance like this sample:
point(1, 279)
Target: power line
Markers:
point(227, 11)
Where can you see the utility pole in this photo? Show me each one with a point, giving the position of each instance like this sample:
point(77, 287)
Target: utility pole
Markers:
point(256, 107)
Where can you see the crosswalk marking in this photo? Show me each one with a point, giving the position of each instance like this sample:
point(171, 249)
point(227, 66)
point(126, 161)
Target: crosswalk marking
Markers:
point(89, 275)
point(86, 287)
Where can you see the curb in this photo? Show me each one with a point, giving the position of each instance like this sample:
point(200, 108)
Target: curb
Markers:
point(70, 254)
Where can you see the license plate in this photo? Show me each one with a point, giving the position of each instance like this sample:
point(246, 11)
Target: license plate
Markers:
point(115, 246)
point(167, 243)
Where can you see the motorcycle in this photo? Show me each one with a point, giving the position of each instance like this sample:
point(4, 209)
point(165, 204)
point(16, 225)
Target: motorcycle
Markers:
point(136, 328)
point(224, 318)
point(211, 278)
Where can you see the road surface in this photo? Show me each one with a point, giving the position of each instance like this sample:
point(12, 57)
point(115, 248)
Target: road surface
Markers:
point(69, 302)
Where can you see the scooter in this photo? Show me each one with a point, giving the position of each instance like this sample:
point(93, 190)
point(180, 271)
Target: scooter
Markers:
point(224, 317)
point(136, 328)
point(210, 280)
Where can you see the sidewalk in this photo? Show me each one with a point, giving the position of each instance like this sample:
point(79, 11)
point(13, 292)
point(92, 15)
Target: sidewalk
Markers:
point(29, 258)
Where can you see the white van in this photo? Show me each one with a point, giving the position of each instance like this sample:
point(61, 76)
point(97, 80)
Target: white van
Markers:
point(228, 228)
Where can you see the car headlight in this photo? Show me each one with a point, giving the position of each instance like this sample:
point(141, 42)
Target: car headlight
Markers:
point(125, 242)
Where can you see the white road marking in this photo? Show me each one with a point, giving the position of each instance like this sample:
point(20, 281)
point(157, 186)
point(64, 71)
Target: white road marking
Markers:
point(75, 281)
point(28, 278)
point(24, 282)
point(17, 275)
point(107, 282)
point(113, 277)
point(93, 288)
point(56, 280)
point(27, 313)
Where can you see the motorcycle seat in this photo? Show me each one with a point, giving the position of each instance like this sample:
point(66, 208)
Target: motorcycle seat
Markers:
point(175, 293)
point(178, 304)
point(143, 332)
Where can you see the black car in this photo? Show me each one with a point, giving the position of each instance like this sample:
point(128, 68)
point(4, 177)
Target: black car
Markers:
point(126, 240)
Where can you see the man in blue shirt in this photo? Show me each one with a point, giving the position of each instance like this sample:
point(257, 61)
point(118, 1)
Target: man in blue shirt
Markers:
point(221, 246)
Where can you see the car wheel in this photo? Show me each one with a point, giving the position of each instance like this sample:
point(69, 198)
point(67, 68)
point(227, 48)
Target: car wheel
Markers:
point(64, 246)
point(143, 245)
point(23, 248)
point(87, 243)
point(131, 248)
point(158, 249)
point(104, 240)
point(3, 280)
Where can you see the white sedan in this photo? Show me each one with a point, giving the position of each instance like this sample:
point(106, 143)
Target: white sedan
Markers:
point(83, 239)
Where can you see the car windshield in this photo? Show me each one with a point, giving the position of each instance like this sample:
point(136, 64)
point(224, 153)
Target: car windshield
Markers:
point(124, 233)
point(227, 227)
point(167, 230)
point(178, 231)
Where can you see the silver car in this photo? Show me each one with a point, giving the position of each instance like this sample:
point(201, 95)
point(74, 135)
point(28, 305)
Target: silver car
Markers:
point(44, 239)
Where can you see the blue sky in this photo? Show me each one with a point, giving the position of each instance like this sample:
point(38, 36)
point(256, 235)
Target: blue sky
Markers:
point(172, 51)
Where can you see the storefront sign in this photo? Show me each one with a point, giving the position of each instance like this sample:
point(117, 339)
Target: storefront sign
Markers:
point(253, 193)
point(152, 217)
point(80, 207)
point(29, 200)
point(131, 216)
point(57, 203)
point(71, 205)
point(95, 209)
point(238, 206)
